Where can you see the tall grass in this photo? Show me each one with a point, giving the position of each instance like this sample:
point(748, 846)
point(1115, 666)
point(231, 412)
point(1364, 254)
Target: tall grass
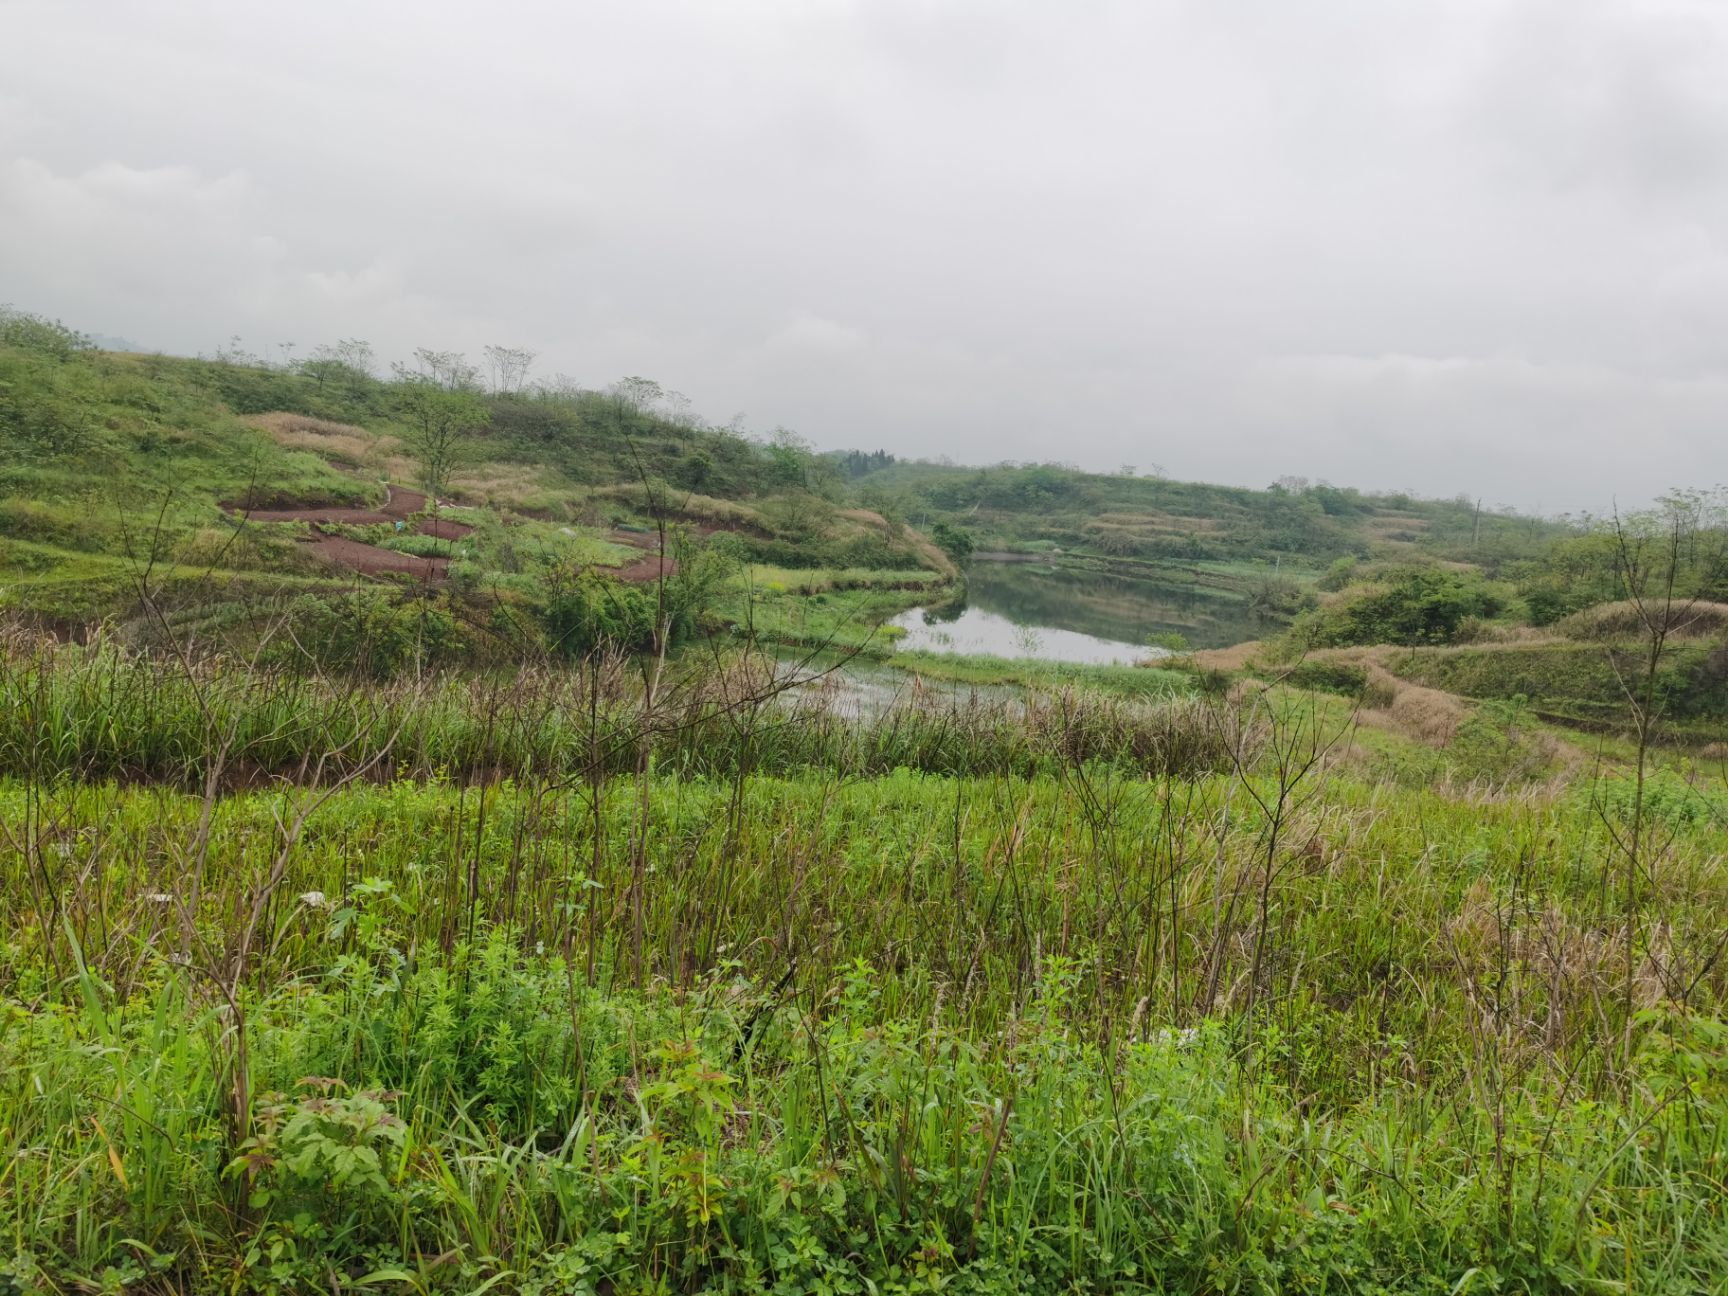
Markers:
point(597, 983)
point(108, 713)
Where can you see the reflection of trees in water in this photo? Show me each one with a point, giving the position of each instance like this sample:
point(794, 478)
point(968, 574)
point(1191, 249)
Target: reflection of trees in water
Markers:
point(1108, 607)
point(944, 613)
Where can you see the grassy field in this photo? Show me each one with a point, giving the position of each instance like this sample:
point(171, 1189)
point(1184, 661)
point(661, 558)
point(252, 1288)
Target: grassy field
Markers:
point(587, 981)
point(568, 887)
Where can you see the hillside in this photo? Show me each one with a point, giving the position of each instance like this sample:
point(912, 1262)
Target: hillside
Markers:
point(1131, 521)
point(212, 486)
point(215, 489)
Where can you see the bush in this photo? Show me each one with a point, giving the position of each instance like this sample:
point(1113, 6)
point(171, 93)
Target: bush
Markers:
point(1330, 677)
point(954, 541)
point(1339, 574)
point(1410, 607)
point(593, 612)
point(1497, 741)
point(37, 333)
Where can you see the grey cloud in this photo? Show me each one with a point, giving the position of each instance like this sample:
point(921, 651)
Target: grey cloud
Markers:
point(1453, 245)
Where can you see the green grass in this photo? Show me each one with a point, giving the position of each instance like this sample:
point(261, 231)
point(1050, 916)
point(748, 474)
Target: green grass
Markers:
point(988, 1034)
point(1039, 673)
point(1580, 683)
point(609, 976)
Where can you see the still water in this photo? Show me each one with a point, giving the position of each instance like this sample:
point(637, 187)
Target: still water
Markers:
point(1027, 610)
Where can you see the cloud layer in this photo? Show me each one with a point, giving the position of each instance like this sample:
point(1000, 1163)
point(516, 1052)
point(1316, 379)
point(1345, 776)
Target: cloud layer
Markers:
point(1453, 246)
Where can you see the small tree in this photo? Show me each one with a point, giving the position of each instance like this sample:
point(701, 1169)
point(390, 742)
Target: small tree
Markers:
point(441, 424)
point(638, 393)
point(447, 369)
point(346, 364)
point(789, 460)
point(1669, 560)
point(509, 368)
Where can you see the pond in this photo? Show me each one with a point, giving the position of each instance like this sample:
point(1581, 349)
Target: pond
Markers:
point(1032, 610)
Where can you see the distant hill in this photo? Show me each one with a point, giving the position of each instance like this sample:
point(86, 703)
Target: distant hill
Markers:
point(1128, 520)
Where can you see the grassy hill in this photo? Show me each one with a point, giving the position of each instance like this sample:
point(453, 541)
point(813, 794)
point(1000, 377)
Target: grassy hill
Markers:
point(217, 488)
point(1134, 520)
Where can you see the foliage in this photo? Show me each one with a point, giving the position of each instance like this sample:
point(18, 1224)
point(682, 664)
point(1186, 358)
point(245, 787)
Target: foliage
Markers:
point(955, 541)
point(441, 423)
point(1499, 740)
point(1417, 605)
point(1326, 676)
point(36, 333)
point(1575, 680)
point(374, 634)
point(590, 612)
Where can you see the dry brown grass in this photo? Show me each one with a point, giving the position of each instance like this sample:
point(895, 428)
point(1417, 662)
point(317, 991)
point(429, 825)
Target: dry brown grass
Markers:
point(1431, 716)
point(341, 443)
point(697, 508)
point(1428, 715)
point(508, 486)
point(1237, 657)
point(1607, 620)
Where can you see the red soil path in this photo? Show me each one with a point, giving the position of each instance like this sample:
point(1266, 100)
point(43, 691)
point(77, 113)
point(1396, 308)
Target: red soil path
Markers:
point(645, 569)
point(402, 505)
point(370, 559)
point(373, 561)
point(649, 568)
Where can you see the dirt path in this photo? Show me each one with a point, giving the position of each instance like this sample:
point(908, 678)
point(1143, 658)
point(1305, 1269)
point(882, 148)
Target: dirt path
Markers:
point(370, 560)
point(644, 569)
point(401, 505)
point(648, 568)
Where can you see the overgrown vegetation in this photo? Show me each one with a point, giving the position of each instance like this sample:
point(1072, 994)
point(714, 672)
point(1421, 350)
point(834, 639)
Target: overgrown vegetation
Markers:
point(208, 484)
point(554, 902)
point(603, 982)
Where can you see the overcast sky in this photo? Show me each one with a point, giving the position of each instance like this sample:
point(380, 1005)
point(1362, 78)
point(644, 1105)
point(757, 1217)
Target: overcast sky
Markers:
point(1445, 245)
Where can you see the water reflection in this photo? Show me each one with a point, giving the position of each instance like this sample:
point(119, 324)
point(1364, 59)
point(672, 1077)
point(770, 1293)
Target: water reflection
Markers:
point(972, 630)
point(1023, 610)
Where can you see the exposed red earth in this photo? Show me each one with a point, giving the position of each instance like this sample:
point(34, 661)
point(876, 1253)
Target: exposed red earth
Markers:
point(402, 505)
point(371, 559)
point(646, 569)
point(642, 569)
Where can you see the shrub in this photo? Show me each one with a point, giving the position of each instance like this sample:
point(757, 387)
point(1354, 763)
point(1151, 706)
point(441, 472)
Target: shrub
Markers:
point(1330, 677)
point(1497, 741)
point(593, 611)
point(1410, 607)
point(954, 541)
